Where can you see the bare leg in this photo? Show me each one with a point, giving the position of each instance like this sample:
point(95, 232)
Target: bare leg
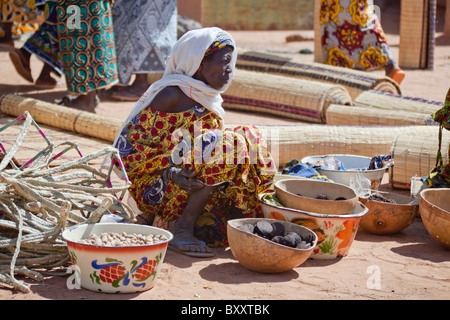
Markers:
point(45, 80)
point(7, 42)
point(393, 71)
point(184, 227)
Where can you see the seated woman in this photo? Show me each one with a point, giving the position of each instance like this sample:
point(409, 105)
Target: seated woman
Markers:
point(188, 174)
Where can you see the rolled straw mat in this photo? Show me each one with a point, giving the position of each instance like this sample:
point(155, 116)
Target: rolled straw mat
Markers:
point(268, 93)
point(417, 19)
point(289, 142)
point(61, 117)
point(285, 142)
point(416, 155)
point(355, 81)
point(283, 96)
point(384, 100)
point(367, 116)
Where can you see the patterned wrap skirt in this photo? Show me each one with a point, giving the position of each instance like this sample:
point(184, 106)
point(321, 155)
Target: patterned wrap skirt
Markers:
point(145, 32)
point(237, 159)
point(86, 37)
point(352, 36)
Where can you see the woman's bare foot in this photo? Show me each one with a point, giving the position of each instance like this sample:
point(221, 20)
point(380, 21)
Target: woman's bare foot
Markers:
point(85, 102)
point(184, 240)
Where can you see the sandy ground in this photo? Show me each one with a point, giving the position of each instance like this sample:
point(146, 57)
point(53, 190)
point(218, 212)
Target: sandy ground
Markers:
point(412, 264)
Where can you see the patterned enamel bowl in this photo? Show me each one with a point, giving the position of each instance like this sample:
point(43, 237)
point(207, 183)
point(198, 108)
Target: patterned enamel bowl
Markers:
point(352, 163)
point(335, 232)
point(115, 269)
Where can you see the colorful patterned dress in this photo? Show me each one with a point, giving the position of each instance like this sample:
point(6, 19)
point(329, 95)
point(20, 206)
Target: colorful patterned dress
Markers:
point(44, 42)
point(352, 36)
point(86, 36)
point(22, 13)
point(237, 159)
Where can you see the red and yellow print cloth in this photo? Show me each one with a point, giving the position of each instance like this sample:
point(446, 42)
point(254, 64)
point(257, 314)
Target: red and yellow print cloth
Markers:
point(352, 36)
point(193, 140)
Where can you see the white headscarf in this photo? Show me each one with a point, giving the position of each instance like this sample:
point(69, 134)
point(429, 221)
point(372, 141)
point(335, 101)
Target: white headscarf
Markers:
point(183, 62)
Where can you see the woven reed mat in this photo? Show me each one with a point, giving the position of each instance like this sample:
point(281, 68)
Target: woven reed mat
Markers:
point(61, 117)
point(385, 100)
point(355, 81)
point(416, 155)
point(55, 123)
point(368, 116)
point(417, 19)
point(283, 96)
point(298, 99)
point(298, 141)
point(285, 142)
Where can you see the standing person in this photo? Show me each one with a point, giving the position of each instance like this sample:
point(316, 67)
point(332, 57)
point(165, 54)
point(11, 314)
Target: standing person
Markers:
point(86, 41)
point(144, 32)
point(20, 12)
point(352, 37)
point(439, 177)
point(45, 45)
point(189, 175)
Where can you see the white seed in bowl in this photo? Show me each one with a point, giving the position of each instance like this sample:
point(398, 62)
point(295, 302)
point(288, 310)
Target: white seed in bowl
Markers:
point(114, 239)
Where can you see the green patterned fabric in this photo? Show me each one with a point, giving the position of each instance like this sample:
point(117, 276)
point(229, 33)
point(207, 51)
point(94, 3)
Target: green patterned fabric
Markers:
point(86, 36)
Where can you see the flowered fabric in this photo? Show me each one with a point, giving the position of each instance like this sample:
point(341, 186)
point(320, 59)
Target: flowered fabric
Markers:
point(19, 11)
point(439, 177)
point(352, 36)
point(23, 15)
point(44, 42)
point(87, 49)
point(237, 159)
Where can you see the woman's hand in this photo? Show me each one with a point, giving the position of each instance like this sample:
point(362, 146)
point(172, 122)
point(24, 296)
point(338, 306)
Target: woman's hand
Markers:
point(181, 178)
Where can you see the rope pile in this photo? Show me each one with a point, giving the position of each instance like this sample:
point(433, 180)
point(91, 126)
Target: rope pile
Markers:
point(38, 201)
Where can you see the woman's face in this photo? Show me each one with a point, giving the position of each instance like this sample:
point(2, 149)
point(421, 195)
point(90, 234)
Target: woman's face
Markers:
point(216, 69)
